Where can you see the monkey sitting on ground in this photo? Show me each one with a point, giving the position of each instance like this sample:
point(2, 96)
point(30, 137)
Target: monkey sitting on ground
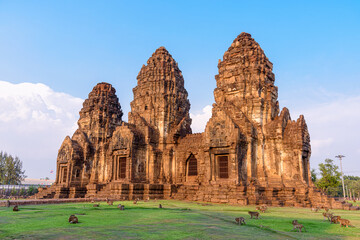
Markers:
point(335, 219)
point(327, 215)
point(96, 205)
point(160, 206)
point(134, 202)
point(73, 219)
point(122, 207)
point(297, 226)
point(345, 222)
point(254, 214)
point(240, 220)
point(16, 208)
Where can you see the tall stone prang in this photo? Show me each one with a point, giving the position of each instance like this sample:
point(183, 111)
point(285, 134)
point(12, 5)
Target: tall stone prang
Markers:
point(250, 151)
point(246, 81)
point(82, 159)
point(246, 93)
point(160, 97)
point(160, 111)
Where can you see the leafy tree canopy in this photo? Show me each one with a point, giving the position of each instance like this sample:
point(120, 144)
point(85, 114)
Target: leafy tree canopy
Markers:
point(10, 169)
point(330, 176)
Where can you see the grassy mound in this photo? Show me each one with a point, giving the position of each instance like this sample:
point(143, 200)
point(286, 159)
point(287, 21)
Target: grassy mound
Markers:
point(177, 220)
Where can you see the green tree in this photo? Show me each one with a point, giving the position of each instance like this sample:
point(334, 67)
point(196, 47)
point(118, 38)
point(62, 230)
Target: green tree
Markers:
point(330, 176)
point(10, 169)
point(13, 192)
point(22, 192)
point(313, 175)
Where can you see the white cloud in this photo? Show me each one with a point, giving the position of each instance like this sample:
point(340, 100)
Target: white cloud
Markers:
point(334, 129)
point(199, 120)
point(34, 120)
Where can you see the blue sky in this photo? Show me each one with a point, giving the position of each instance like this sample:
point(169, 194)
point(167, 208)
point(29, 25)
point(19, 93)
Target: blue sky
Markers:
point(69, 46)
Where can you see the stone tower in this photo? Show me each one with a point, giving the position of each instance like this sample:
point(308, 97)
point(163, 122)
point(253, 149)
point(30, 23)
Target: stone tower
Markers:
point(101, 113)
point(160, 111)
point(246, 80)
point(83, 158)
point(160, 97)
point(277, 148)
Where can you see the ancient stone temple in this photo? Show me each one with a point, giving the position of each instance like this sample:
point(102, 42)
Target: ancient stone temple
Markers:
point(250, 151)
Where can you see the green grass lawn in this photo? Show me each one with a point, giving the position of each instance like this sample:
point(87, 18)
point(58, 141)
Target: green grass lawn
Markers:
point(177, 220)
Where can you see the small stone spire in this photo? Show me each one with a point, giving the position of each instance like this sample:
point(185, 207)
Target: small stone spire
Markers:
point(101, 112)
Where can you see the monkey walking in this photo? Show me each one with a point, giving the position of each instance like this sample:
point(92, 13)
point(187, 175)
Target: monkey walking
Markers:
point(345, 222)
point(73, 219)
point(297, 226)
point(254, 214)
point(240, 220)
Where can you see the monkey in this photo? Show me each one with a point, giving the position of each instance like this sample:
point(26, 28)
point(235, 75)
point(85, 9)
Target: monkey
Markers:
point(335, 219)
point(254, 214)
point(96, 205)
point(160, 206)
point(110, 202)
point(258, 208)
point(73, 219)
point(345, 222)
point(7, 203)
point(263, 209)
point(240, 220)
point(16, 208)
point(119, 206)
point(297, 226)
point(315, 209)
point(327, 215)
point(122, 208)
point(135, 202)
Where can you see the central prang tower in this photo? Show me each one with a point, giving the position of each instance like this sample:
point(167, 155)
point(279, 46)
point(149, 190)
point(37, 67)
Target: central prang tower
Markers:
point(160, 111)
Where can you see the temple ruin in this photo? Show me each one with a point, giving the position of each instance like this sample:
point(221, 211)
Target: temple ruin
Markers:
point(250, 151)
